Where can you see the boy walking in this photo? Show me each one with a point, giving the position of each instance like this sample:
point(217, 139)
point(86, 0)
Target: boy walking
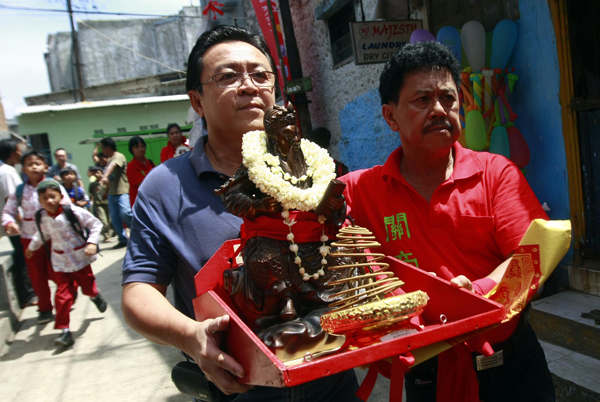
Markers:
point(25, 197)
point(72, 252)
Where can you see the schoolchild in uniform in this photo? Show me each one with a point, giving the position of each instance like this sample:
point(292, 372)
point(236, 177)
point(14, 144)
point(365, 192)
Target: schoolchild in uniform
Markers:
point(25, 198)
point(72, 252)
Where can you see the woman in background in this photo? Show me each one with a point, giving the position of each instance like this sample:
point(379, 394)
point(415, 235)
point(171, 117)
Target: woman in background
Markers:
point(139, 166)
point(176, 140)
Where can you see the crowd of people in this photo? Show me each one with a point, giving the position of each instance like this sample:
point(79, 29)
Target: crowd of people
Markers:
point(444, 192)
point(55, 225)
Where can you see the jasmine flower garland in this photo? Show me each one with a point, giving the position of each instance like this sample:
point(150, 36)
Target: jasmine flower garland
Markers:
point(267, 175)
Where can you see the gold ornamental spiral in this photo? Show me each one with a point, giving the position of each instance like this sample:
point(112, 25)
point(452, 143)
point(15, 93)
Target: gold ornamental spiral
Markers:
point(371, 284)
point(363, 305)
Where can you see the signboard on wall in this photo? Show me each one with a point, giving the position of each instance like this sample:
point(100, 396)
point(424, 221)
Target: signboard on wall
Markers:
point(298, 86)
point(375, 41)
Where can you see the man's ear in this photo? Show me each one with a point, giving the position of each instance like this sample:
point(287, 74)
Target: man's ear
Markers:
point(196, 101)
point(388, 114)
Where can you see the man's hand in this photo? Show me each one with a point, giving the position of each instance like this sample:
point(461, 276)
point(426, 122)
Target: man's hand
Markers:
point(461, 281)
point(104, 180)
point(219, 367)
point(81, 203)
point(12, 229)
point(28, 253)
point(91, 249)
point(57, 178)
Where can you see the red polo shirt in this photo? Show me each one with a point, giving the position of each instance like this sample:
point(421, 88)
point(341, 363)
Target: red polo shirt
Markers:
point(473, 221)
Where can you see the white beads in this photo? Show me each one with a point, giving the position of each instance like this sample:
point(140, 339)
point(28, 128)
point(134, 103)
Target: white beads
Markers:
point(324, 238)
point(323, 261)
point(285, 214)
point(302, 271)
point(321, 272)
point(315, 275)
point(297, 261)
point(294, 248)
point(305, 277)
point(290, 236)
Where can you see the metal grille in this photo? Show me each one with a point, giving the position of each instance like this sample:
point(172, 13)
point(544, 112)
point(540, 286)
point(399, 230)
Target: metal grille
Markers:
point(339, 34)
point(584, 37)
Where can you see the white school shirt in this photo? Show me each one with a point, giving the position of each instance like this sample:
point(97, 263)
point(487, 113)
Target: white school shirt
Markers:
point(29, 204)
point(68, 246)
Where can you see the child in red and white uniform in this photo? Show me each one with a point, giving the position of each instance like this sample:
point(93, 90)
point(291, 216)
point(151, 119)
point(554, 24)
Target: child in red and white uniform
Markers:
point(71, 254)
point(22, 208)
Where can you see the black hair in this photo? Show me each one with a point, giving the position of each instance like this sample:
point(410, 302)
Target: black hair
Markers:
point(95, 169)
point(320, 136)
point(52, 186)
point(134, 141)
point(66, 170)
point(171, 125)
point(412, 58)
point(219, 34)
point(32, 152)
point(59, 149)
point(7, 147)
point(108, 142)
point(100, 154)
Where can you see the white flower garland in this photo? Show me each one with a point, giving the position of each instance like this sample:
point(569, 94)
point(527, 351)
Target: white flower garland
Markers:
point(267, 175)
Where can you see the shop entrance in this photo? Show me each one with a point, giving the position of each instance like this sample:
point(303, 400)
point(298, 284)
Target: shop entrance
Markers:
point(584, 41)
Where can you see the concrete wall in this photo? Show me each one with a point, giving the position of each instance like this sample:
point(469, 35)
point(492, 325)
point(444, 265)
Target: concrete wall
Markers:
point(168, 40)
point(66, 128)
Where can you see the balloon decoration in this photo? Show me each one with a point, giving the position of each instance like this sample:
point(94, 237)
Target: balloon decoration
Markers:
point(422, 35)
point(486, 114)
point(503, 43)
point(450, 37)
point(472, 37)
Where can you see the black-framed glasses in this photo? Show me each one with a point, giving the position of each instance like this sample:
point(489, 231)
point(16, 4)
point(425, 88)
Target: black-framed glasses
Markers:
point(263, 79)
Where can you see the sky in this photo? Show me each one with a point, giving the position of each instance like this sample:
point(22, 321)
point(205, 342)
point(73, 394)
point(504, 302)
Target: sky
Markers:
point(23, 38)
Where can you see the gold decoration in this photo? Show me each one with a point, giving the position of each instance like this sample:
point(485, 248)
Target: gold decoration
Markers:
point(363, 306)
point(375, 315)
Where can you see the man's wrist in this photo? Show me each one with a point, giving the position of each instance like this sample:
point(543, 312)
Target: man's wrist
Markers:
point(483, 286)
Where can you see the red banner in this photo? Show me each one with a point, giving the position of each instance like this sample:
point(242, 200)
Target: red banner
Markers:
point(264, 20)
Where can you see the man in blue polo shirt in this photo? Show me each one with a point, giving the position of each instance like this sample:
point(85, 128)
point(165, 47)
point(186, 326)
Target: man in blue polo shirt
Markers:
point(178, 223)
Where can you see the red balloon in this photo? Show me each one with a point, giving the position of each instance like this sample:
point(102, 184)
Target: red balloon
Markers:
point(519, 150)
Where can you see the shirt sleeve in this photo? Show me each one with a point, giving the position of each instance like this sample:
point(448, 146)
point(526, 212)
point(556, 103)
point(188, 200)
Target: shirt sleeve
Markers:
point(10, 211)
point(515, 206)
point(36, 241)
point(89, 221)
point(150, 257)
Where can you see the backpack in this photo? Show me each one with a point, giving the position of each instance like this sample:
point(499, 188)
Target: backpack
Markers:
point(20, 188)
point(75, 225)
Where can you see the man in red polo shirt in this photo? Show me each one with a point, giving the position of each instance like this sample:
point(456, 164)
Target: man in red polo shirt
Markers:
point(451, 211)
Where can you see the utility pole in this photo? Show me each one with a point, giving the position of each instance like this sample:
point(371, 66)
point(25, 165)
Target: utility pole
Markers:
point(75, 55)
point(299, 100)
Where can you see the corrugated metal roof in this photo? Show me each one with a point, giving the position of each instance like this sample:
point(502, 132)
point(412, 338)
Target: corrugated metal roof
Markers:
point(105, 103)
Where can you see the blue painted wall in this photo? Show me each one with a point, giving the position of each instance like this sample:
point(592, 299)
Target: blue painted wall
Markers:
point(367, 140)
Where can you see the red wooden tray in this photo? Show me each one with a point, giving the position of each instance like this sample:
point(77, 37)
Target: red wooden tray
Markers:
point(465, 312)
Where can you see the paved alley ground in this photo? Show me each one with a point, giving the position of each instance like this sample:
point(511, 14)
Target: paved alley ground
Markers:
point(109, 361)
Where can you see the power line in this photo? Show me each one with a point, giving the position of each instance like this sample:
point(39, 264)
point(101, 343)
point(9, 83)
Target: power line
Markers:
point(2, 6)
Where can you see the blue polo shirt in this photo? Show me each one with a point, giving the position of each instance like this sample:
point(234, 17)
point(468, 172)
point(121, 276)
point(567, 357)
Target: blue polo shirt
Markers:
point(178, 224)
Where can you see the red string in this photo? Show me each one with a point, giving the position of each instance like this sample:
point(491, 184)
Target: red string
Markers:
point(212, 6)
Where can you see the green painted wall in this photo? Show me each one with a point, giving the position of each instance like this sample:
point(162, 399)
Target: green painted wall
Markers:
point(66, 129)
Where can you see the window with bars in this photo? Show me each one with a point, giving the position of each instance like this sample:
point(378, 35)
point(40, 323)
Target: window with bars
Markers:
point(338, 26)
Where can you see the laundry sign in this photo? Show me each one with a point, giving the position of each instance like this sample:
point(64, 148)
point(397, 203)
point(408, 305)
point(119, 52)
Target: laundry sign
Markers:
point(376, 41)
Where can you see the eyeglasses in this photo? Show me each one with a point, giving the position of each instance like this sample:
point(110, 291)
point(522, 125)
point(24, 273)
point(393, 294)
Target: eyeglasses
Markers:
point(263, 79)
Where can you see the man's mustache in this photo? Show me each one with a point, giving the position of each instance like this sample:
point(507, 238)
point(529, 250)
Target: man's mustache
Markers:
point(437, 123)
